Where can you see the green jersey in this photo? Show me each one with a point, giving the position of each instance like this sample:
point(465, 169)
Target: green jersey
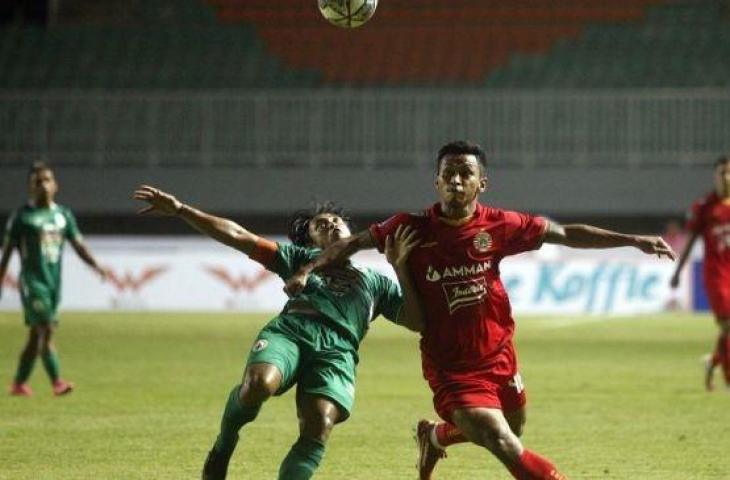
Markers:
point(40, 234)
point(349, 297)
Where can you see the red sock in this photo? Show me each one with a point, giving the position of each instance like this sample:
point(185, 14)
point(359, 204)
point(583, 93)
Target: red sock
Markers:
point(447, 434)
point(532, 466)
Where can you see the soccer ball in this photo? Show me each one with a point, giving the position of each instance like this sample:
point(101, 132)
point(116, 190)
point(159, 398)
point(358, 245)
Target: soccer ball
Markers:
point(347, 13)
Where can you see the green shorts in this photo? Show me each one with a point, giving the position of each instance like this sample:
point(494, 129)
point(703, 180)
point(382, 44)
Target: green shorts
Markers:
point(310, 354)
point(40, 305)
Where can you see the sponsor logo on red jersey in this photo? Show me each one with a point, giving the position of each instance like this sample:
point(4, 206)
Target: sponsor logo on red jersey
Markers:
point(434, 275)
point(466, 292)
point(722, 236)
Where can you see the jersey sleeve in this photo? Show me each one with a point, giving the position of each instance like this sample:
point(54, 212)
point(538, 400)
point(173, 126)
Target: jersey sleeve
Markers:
point(379, 231)
point(289, 258)
point(523, 232)
point(389, 299)
point(72, 228)
point(11, 236)
point(695, 221)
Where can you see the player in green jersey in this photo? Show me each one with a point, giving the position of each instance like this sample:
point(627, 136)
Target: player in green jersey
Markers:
point(314, 341)
point(39, 231)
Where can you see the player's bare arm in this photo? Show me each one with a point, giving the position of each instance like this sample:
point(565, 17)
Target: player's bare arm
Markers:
point(336, 253)
point(223, 230)
point(397, 250)
point(4, 260)
point(82, 250)
point(683, 257)
point(587, 236)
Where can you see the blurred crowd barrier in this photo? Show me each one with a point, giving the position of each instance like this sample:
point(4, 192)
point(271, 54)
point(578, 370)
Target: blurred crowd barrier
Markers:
point(368, 129)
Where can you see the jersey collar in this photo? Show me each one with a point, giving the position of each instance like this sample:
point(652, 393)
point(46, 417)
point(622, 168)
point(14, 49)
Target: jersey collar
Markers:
point(435, 215)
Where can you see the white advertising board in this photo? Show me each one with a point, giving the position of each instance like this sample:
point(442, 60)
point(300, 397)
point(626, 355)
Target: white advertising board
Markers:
point(196, 274)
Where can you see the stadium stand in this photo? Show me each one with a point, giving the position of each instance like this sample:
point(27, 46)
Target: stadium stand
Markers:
point(257, 44)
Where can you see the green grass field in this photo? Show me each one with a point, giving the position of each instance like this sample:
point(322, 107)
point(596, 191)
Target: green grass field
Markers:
point(618, 398)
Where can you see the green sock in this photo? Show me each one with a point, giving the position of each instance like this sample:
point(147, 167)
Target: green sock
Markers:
point(235, 416)
point(25, 367)
point(302, 460)
point(51, 364)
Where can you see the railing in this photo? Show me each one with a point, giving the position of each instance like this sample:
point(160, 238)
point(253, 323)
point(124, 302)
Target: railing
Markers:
point(363, 129)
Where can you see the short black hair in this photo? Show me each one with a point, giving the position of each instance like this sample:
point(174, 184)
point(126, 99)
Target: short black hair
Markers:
point(299, 223)
point(724, 160)
point(462, 147)
point(38, 167)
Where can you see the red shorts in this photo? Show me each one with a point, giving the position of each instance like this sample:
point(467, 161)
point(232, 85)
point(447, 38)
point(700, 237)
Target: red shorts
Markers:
point(452, 391)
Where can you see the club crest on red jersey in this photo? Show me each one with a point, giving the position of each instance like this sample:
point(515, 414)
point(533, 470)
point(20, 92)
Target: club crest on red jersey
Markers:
point(464, 293)
point(482, 241)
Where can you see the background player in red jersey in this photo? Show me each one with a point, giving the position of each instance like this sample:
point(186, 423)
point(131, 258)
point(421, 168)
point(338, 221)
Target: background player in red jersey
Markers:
point(710, 218)
point(467, 353)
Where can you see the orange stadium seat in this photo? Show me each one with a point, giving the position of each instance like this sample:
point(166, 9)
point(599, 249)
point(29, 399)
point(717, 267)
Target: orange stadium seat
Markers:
point(458, 43)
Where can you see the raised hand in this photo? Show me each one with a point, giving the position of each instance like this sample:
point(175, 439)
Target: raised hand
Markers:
point(296, 282)
point(158, 201)
point(653, 245)
point(399, 246)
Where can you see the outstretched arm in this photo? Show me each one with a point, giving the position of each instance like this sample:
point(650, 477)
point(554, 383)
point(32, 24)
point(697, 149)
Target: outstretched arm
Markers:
point(674, 283)
point(4, 260)
point(223, 230)
point(397, 249)
point(336, 253)
point(85, 254)
point(587, 236)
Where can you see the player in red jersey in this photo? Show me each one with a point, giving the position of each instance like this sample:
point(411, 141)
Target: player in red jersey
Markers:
point(467, 353)
point(710, 218)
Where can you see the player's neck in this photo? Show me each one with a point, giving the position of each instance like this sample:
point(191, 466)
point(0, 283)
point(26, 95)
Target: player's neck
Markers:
point(457, 216)
point(42, 202)
point(723, 196)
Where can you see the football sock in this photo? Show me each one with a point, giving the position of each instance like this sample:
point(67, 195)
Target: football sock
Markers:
point(302, 460)
point(532, 466)
point(51, 364)
point(235, 416)
point(25, 367)
point(445, 434)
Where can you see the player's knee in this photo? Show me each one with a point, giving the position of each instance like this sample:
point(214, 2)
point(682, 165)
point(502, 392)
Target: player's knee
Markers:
point(317, 425)
point(257, 388)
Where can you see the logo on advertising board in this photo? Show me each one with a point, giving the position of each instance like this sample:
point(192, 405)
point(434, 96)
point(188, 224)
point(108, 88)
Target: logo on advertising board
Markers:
point(464, 293)
point(237, 283)
point(129, 285)
point(10, 281)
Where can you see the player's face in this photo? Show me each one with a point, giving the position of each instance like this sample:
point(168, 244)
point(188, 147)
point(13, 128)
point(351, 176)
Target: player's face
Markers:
point(460, 180)
point(327, 228)
point(722, 179)
point(43, 186)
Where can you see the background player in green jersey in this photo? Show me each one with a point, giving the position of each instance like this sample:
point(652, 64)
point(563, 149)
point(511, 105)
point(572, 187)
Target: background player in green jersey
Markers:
point(314, 341)
point(39, 231)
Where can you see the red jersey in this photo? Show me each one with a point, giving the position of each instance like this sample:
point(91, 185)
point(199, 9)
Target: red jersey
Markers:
point(710, 217)
point(455, 269)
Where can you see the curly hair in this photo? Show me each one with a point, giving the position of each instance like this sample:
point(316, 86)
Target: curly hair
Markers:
point(299, 223)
